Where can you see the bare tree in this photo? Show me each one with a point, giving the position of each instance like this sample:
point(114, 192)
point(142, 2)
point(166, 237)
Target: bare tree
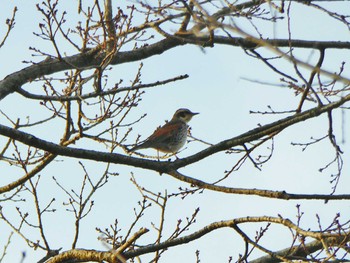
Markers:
point(81, 118)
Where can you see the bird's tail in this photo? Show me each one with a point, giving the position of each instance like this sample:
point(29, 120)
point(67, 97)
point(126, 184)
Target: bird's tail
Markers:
point(134, 148)
point(137, 147)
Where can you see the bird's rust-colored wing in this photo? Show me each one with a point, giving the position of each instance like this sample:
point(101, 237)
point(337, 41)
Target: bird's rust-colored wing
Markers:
point(165, 131)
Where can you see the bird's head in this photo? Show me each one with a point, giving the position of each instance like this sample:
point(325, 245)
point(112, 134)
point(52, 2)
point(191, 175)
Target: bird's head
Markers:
point(184, 115)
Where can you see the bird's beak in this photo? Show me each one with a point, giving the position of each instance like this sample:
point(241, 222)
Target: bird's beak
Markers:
point(195, 113)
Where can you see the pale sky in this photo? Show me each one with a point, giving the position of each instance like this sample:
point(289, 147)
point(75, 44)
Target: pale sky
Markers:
point(217, 90)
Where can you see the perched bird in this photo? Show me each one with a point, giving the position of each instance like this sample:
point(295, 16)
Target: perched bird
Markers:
point(170, 137)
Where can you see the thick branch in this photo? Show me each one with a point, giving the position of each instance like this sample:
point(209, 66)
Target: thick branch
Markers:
point(334, 239)
point(84, 255)
point(81, 61)
point(172, 167)
point(93, 58)
point(164, 167)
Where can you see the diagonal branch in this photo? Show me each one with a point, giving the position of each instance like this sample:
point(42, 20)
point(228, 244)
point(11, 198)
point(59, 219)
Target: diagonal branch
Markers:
point(171, 167)
point(259, 132)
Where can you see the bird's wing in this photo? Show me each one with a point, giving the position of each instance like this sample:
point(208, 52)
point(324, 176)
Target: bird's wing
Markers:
point(161, 135)
point(165, 132)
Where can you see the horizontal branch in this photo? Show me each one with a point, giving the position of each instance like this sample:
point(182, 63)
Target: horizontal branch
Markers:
point(296, 43)
point(282, 195)
point(84, 255)
point(329, 238)
point(172, 167)
point(100, 93)
point(82, 61)
point(57, 149)
point(94, 58)
point(334, 239)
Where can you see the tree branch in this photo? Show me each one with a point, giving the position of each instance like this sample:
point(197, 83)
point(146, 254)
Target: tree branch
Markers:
point(171, 167)
point(94, 57)
point(334, 239)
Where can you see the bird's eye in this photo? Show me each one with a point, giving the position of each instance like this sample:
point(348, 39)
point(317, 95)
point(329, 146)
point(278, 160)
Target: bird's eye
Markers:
point(182, 114)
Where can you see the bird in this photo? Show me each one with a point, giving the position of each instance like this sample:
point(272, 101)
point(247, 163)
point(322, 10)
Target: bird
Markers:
point(170, 137)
